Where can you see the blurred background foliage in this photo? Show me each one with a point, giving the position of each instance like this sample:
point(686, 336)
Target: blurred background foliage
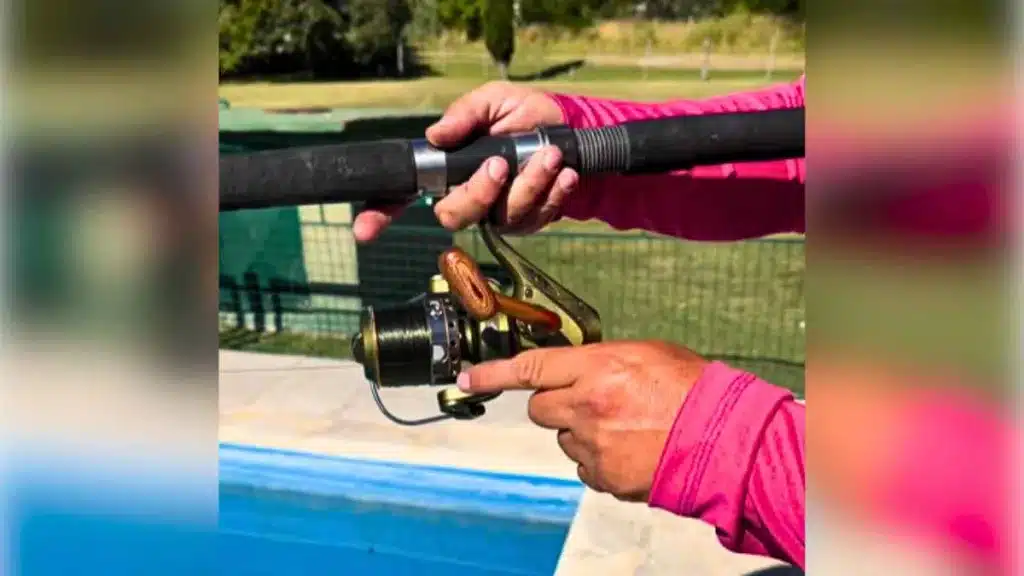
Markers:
point(320, 39)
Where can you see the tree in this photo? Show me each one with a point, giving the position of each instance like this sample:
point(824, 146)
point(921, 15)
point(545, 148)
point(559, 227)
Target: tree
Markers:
point(274, 36)
point(573, 14)
point(426, 22)
point(289, 36)
point(500, 32)
point(375, 31)
point(464, 15)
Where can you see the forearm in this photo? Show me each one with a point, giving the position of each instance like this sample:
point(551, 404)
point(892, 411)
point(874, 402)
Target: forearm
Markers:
point(735, 459)
point(725, 202)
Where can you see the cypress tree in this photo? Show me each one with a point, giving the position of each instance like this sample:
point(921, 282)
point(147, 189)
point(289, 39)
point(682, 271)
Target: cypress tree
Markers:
point(499, 32)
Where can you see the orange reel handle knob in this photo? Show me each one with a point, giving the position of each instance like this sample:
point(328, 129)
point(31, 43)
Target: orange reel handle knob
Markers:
point(467, 282)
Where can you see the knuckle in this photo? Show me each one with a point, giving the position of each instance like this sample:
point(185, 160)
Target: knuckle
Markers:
point(606, 397)
point(532, 182)
point(616, 362)
point(536, 411)
point(528, 369)
point(603, 441)
point(563, 438)
point(536, 165)
point(524, 191)
point(592, 478)
point(601, 403)
point(545, 214)
point(583, 475)
point(518, 205)
point(481, 190)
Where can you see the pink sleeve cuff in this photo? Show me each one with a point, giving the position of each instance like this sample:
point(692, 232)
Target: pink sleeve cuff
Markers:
point(707, 461)
point(575, 114)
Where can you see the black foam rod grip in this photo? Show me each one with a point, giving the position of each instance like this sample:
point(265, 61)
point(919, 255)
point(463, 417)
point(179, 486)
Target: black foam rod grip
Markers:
point(461, 163)
point(383, 171)
point(710, 139)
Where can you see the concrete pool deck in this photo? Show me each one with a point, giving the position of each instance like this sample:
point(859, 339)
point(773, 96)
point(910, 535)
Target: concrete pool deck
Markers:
point(324, 406)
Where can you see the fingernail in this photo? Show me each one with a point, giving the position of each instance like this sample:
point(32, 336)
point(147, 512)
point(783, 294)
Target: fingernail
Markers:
point(551, 159)
point(462, 381)
point(497, 170)
point(359, 230)
point(445, 218)
point(568, 180)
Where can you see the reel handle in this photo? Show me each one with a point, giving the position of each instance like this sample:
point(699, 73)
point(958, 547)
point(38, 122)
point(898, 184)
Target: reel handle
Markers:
point(474, 292)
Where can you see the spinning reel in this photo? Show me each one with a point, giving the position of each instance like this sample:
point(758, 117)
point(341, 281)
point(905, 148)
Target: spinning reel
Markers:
point(465, 318)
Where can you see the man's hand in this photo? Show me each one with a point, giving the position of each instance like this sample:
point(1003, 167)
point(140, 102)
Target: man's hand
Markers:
point(613, 404)
point(534, 197)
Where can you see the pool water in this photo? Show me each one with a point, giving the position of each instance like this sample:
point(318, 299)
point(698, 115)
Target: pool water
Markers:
point(290, 513)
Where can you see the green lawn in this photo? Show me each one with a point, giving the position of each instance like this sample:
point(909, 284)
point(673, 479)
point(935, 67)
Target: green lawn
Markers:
point(476, 67)
point(460, 73)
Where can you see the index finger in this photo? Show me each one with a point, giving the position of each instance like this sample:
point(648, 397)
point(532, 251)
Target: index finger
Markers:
point(538, 369)
point(374, 218)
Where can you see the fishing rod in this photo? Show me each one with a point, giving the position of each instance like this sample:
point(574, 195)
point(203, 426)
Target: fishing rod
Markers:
point(464, 317)
point(399, 170)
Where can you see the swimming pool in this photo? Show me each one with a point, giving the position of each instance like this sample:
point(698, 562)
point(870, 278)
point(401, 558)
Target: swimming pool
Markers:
point(295, 513)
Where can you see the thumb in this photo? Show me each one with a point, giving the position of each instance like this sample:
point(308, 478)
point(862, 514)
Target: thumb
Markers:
point(471, 112)
point(539, 369)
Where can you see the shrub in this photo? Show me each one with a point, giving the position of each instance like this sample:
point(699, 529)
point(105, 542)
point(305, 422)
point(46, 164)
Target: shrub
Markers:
point(743, 32)
point(309, 36)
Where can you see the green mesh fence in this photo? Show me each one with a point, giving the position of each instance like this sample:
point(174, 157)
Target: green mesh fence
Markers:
point(294, 280)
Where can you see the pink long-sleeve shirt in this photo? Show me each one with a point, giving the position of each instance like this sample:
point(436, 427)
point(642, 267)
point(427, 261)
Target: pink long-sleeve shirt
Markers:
point(735, 456)
point(708, 203)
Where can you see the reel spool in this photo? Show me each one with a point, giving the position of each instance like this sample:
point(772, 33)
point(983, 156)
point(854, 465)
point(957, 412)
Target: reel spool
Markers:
point(426, 341)
point(464, 318)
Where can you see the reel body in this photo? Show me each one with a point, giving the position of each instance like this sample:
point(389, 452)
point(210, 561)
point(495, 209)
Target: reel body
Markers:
point(425, 341)
point(429, 339)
